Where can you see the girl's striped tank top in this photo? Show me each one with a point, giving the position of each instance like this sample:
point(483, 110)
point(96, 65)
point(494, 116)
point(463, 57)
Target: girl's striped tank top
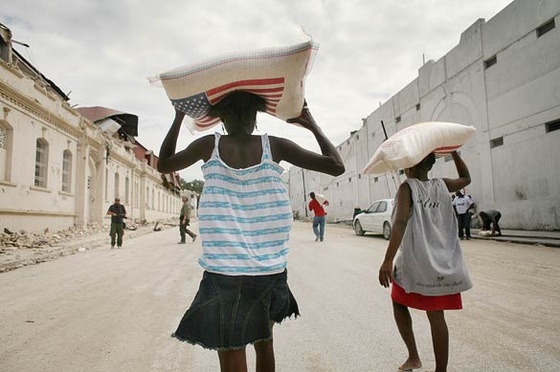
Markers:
point(245, 216)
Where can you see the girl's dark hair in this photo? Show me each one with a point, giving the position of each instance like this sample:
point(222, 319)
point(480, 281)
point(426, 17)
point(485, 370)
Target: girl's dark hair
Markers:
point(428, 162)
point(238, 110)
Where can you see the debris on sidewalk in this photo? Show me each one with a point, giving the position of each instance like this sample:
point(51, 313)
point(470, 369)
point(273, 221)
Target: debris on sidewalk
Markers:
point(22, 248)
point(23, 239)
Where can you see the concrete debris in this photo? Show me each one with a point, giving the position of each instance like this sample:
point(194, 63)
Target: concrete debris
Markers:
point(23, 239)
point(18, 249)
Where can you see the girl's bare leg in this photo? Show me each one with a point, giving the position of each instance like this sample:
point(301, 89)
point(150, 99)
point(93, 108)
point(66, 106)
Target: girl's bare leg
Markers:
point(404, 324)
point(233, 360)
point(265, 355)
point(440, 339)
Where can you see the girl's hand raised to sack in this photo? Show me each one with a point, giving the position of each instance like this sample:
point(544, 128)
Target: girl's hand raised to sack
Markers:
point(305, 119)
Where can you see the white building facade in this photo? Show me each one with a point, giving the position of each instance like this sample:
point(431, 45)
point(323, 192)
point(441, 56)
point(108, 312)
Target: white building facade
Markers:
point(504, 78)
point(59, 169)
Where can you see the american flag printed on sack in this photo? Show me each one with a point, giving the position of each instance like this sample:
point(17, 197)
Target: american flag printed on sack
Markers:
point(276, 74)
point(197, 106)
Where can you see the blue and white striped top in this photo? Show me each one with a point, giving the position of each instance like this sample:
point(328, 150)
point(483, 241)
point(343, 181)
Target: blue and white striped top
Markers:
point(245, 216)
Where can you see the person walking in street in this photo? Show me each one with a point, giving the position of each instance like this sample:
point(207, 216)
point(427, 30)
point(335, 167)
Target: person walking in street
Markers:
point(463, 204)
point(319, 216)
point(117, 211)
point(244, 221)
point(184, 221)
point(428, 272)
point(490, 221)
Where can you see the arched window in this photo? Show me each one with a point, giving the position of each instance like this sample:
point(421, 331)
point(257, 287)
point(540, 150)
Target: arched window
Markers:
point(5, 151)
point(66, 170)
point(126, 189)
point(106, 184)
point(147, 197)
point(116, 194)
point(41, 162)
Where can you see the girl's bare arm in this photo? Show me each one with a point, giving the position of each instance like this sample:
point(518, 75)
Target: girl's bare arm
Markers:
point(329, 161)
point(464, 178)
point(170, 161)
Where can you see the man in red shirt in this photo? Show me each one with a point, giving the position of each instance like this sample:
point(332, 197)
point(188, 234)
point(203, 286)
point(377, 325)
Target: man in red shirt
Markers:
point(319, 220)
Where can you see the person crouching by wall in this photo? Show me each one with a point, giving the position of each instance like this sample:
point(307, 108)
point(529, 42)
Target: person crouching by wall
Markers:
point(490, 219)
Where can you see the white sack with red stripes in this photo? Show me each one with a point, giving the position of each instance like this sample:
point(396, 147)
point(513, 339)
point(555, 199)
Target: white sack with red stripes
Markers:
point(410, 145)
point(276, 74)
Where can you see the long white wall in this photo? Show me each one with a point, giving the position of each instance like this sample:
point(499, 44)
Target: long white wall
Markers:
point(514, 103)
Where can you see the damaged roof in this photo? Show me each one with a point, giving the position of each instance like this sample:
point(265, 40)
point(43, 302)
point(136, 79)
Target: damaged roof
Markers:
point(128, 122)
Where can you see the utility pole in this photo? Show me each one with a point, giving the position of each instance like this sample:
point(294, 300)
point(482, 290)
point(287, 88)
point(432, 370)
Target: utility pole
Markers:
point(304, 192)
point(392, 173)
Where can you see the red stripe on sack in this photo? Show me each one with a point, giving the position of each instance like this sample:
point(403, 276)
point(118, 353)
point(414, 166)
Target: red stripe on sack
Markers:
point(248, 82)
point(206, 121)
point(257, 86)
point(445, 149)
point(265, 93)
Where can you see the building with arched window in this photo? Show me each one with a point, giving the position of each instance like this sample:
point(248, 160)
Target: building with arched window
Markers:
point(60, 166)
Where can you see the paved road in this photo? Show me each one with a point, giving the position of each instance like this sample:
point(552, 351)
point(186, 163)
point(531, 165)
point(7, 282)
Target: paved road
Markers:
point(113, 310)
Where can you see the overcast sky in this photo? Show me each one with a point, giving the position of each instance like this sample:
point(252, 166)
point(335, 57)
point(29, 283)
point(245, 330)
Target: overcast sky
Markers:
point(101, 52)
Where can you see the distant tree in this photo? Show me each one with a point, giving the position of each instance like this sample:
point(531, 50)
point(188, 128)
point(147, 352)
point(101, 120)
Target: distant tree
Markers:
point(183, 184)
point(195, 185)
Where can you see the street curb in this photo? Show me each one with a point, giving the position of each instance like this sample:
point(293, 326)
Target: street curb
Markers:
point(522, 240)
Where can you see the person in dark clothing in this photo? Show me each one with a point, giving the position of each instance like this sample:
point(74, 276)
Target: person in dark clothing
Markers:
point(490, 219)
point(117, 212)
point(462, 205)
point(184, 221)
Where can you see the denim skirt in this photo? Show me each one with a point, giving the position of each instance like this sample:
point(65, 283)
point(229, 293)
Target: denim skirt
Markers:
point(230, 312)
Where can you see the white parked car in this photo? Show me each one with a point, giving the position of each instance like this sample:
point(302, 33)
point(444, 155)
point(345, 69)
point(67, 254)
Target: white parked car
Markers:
point(376, 219)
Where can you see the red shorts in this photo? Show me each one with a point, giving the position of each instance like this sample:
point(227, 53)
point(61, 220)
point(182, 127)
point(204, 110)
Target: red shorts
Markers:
point(427, 303)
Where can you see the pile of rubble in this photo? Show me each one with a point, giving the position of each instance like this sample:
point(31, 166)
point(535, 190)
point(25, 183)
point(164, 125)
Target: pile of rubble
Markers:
point(18, 249)
point(10, 240)
point(24, 239)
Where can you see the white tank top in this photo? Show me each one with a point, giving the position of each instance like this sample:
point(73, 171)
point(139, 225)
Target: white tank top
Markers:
point(430, 260)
